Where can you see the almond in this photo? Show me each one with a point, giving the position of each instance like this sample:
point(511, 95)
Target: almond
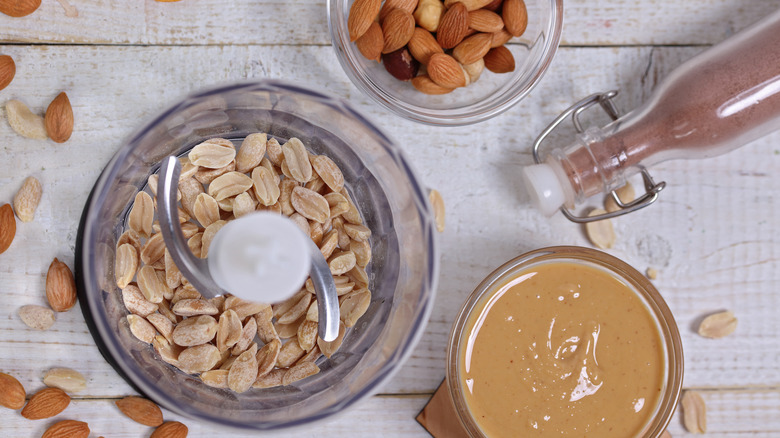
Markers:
point(67, 429)
point(59, 119)
point(401, 64)
point(397, 29)
point(471, 5)
point(37, 317)
point(361, 14)
point(170, 429)
point(7, 70)
point(515, 16)
point(406, 5)
point(473, 48)
point(499, 60)
point(445, 71)
point(422, 45)
point(494, 6)
point(453, 27)
point(19, 8)
point(60, 287)
point(46, 403)
point(372, 42)
point(12, 393)
point(500, 38)
point(483, 20)
point(141, 410)
point(7, 227)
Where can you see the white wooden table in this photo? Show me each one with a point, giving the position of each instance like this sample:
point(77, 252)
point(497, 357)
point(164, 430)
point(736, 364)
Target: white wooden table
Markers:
point(713, 236)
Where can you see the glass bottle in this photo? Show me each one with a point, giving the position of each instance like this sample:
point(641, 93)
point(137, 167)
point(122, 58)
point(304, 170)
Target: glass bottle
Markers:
point(715, 102)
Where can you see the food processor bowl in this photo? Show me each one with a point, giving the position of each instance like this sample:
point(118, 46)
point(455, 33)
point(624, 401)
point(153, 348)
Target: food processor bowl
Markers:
point(402, 273)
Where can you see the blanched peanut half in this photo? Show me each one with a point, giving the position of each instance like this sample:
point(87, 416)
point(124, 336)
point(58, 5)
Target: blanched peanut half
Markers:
point(290, 352)
point(125, 265)
point(229, 330)
point(296, 311)
point(199, 358)
point(190, 189)
point(130, 237)
point(153, 250)
point(329, 172)
point(215, 378)
point(300, 371)
point(297, 158)
point(213, 153)
point(354, 305)
point(329, 348)
point(205, 209)
point(141, 329)
point(280, 309)
point(135, 301)
point(274, 151)
point(27, 198)
point(192, 307)
point(208, 236)
point(243, 204)
point(163, 325)
point(266, 357)
point(357, 232)
point(168, 351)
point(172, 273)
point(265, 186)
point(307, 334)
point(352, 215)
point(338, 204)
point(310, 204)
point(362, 251)
point(342, 262)
point(195, 331)
point(273, 378)
point(287, 331)
point(207, 176)
point(243, 373)
point(141, 215)
point(251, 152)
point(329, 243)
point(153, 288)
point(247, 334)
point(229, 184)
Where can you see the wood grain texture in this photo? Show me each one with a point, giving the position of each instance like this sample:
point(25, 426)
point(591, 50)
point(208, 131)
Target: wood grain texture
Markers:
point(210, 22)
point(712, 235)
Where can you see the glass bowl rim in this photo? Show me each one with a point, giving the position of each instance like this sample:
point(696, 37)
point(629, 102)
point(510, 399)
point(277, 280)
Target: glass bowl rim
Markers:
point(507, 96)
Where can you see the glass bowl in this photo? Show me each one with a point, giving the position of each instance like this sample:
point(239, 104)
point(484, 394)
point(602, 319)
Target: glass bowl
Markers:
point(402, 273)
point(489, 96)
point(659, 312)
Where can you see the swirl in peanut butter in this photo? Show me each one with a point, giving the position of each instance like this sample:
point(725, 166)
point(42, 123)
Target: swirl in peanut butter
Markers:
point(562, 349)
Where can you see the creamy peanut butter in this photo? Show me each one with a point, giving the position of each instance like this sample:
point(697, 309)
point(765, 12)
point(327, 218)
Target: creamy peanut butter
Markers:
point(562, 349)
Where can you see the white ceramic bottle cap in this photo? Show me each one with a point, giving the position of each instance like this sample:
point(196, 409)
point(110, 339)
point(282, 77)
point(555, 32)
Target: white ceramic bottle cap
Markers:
point(544, 187)
point(261, 257)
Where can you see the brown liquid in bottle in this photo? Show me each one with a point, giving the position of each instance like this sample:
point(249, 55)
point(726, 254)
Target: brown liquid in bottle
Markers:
point(720, 100)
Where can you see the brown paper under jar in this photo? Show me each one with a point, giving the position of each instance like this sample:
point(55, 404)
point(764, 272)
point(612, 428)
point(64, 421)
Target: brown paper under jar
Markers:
point(439, 418)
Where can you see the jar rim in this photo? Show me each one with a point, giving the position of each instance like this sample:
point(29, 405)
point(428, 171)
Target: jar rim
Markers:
point(657, 307)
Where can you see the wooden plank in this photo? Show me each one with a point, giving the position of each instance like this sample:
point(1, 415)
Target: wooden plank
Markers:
point(613, 22)
point(729, 414)
point(711, 235)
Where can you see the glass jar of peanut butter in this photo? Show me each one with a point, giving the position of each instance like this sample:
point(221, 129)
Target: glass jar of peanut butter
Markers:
point(565, 341)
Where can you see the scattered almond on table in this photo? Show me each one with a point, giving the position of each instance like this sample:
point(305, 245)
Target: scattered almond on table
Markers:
point(46, 403)
point(7, 227)
point(12, 393)
point(27, 199)
point(67, 429)
point(65, 379)
point(60, 286)
point(170, 429)
point(59, 119)
point(453, 40)
point(19, 8)
point(7, 70)
point(37, 317)
point(141, 410)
